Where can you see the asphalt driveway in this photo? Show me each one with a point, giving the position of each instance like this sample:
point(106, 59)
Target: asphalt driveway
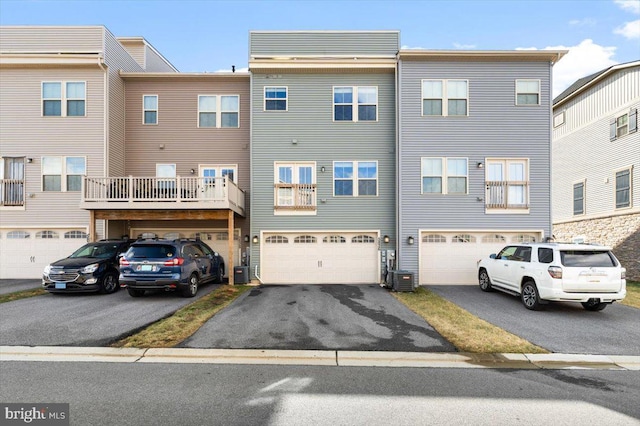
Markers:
point(560, 327)
point(337, 317)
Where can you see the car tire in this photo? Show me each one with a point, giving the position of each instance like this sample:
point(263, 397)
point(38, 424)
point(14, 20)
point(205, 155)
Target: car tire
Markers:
point(594, 305)
point(192, 289)
point(484, 281)
point(134, 292)
point(109, 283)
point(530, 296)
point(219, 275)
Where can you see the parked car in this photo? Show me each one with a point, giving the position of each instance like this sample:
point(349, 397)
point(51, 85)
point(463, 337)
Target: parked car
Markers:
point(93, 267)
point(181, 265)
point(543, 272)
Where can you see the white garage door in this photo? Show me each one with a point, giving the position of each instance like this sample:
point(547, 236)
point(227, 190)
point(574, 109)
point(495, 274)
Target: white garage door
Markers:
point(25, 252)
point(451, 257)
point(320, 258)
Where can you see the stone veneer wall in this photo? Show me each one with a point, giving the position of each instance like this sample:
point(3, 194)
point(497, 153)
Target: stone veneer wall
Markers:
point(622, 233)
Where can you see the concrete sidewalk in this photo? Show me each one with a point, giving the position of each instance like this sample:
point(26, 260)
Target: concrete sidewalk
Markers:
point(325, 358)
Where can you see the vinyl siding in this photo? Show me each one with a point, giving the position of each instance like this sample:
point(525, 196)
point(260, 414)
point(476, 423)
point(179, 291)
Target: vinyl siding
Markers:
point(51, 39)
point(156, 63)
point(136, 49)
point(494, 128)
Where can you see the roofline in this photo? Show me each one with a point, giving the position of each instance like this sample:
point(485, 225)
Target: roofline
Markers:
point(606, 73)
point(323, 31)
point(186, 75)
point(536, 55)
point(144, 40)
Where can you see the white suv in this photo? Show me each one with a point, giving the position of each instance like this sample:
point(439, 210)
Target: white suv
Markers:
point(543, 272)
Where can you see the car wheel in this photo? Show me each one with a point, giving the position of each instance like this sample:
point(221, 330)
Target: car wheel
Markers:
point(109, 283)
point(134, 292)
point(484, 281)
point(219, 275)
point(530, 296)
point(192, 289)
point(594, 305)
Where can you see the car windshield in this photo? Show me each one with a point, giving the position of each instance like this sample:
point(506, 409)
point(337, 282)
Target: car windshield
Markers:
point(96, 250)
point(588, 259)
point(151, 251)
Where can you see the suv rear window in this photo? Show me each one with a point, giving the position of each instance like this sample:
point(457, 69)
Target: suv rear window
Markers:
point(576, 258)
point(150, 251)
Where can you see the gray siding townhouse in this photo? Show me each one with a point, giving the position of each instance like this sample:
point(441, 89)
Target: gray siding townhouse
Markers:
point(473, 157)
point(323, 137)
point(596, 162)
point(62, 118)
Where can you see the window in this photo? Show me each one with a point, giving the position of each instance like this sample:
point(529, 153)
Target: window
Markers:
point(495, 238)
point(355, 103)
point(623, 188)
point(558, 119)
point(434, 238)
point(150, 109)
point(524, 238)
point(295, 186)
point(18, 235)
point(75, 235)
point(445, 97)
point(527, 92)
point(63, 173)
point(63, 99)
point(463, 238)
point(305, 239)
point(507, 183)
point(578, 198)
point(277, 239)
point(451, 179)
point(363, 239)
point(275, 98)
point(12, 181)
point(336, 239)
point(45, 235)
point(210, 105)
point(165, 185)
point(213, 171)
point(545, 255)
point(624, 124)
point(355, 178)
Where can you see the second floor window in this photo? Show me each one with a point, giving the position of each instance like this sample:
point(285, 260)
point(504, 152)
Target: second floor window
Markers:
point(358, 103)
point(150, 108)
point(507, 183)
point(63, 99)
point(624, 124)
point(295, 186)
point(444, 175)
point(275, 98)
point(355, 178)
point(63, 173)
point(445, 97)
point(578, 198)
point(527, 92)
point(218, 111)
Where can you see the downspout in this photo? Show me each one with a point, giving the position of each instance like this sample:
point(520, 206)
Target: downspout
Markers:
point(105, 134)
point(255, 273)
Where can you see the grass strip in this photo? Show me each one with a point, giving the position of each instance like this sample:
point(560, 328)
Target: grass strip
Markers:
point(633, 295)
point(17, 295)
point(465, 331)
point(172, 330)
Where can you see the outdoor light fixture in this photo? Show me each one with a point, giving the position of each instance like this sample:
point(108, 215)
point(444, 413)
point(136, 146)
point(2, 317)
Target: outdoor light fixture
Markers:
point(385, 239)
point(29, 160)
point(255, 239)
point(246, 238)
point(480, 165)
point(161, 146)
point(410, 241)
point(193, 171)
point(322, 169)
point(294, 141)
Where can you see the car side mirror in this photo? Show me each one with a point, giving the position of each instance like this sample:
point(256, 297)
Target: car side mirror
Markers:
point(493, 256)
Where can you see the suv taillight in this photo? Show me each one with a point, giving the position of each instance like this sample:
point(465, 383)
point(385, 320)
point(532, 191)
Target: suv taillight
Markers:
point(124, 262)
point(176, 261)
point(623, 274)
point(555, 271)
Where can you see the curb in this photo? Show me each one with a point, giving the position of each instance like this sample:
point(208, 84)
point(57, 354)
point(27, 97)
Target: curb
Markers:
point(320, 358)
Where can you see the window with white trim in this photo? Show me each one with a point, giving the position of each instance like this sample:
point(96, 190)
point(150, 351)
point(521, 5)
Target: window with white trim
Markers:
point(219, 111)
point(524, 238)
point(434, 238)
point(305, 239)
point(445, 97)
point(494, 238)
point(277, 239)
point(463, 238)
point(46, 235)
point(63, 173)
point(210, 172)
point(578, 198)
point(355, 178)
point(623, 188)
point(275, 98)
point(75, 235)
point(444, 175)
point(167, 171)
point(355, 103)
point(363, 239)
point(507, 183)
point(527, 92)
point(336, 239)
point(624, 124)
point(18, 235)
point(63, 98)
point(295, 186)
point(150, 109)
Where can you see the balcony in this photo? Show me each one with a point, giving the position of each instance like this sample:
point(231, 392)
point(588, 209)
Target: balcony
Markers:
point(507, 195)
point(160, 193)
point(295, 196)
point(12, 192)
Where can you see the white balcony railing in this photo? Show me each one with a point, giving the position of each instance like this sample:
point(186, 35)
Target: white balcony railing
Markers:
point(296, 196)
point(507, 194)
point(11, 192)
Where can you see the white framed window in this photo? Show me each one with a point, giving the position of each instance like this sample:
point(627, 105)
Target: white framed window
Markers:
point(18, 235)
point(355, 178)
point(445, 97)
point(463, 238)
point(75, 235)
point(334, 239)
point(295, 186)
point(277, 239)
point(167, 171)
point(578, 198)
point(494, 238)
point(12, 181)
point(434, 238)
point(275, 98)
point(64, 98)
point(46, 235)
point(558, 119)
point(149, 109)
point(219, 111)
point(507, 183)
point(623, 188)
point(363, 239)
point(210, 172)
point(524, 238)
point(305, 239)
point(355, 103)
point(527, 92)
point(63, 174)
point(444, 175)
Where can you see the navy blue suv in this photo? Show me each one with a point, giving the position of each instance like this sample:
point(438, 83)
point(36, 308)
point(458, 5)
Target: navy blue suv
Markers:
point(180, 265)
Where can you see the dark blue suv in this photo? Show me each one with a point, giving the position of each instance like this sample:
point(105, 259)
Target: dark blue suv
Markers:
point(180, 265)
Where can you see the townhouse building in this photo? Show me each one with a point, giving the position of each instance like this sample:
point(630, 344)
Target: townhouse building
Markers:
point(596, 158)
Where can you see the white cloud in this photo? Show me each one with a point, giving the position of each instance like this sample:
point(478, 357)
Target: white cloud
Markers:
point(632, 6)
point(583, 22)
point(582, 60)
point(464, 46)
point(630, 30)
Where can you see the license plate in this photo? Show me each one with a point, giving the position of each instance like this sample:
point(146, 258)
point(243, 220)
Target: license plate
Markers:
point(61, 285)
point(145, 268)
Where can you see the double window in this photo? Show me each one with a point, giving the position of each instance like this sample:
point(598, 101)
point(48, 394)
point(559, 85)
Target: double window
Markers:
point(275, 98)
point(357, 103)
point(355, 178)
point(507, 183)
point(444, 175)
point(445, 97)
point(63, 98)
point(295, 186)
point(63, 173)
point(527, 92)
point(150, 109)
point(624, 124)
point(623, 188)
point(578, 198)
point(219, 111)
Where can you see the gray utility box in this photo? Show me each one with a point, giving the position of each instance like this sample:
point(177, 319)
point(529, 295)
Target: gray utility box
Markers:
point(402, 281)
point(240, 274)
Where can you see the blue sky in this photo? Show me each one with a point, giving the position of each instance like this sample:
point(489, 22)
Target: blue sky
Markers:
point(211, 35)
